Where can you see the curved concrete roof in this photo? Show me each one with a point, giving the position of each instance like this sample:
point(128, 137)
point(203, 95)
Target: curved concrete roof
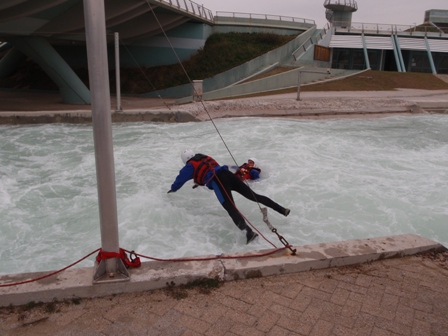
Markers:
point(63, 20)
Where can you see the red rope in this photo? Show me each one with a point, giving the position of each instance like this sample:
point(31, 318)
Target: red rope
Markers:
point(107, 255)
point(50, 274)
point(103, 255)
point(211, 258)
point(233, 203)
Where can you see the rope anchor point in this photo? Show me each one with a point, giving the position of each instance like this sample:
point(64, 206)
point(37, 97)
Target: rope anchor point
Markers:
point(264, 211)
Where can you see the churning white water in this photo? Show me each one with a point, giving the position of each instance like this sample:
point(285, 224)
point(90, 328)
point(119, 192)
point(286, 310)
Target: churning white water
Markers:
point(342, 179)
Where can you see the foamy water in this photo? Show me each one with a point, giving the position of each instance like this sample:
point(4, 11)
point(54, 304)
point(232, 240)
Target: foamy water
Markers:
point(343, 179)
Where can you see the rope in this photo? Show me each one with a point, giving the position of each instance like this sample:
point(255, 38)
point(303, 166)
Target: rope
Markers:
point(133, 262)
point(233, 203)
point(50, 274)
point(140, 68)
point(214, 125)
point(212, 258)
point(264, 211)
point(107, 255)
point(189, 80)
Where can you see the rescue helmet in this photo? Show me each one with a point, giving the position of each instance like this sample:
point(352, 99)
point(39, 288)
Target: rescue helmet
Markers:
point(186, 155)
point(254, 160)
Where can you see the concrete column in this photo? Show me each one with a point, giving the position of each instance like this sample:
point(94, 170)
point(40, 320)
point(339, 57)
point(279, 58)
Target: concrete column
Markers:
point(431, 60)
point(366, 53)
point(396, 53)
point(72, 89)
point(10, 62)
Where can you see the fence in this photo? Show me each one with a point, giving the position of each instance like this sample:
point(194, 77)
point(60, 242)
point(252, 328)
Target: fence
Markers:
point(264, 17)
point(188, 6)
point(382, 28)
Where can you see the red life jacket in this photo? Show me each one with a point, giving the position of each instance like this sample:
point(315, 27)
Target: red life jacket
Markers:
point(202, 165)
point(243, 172)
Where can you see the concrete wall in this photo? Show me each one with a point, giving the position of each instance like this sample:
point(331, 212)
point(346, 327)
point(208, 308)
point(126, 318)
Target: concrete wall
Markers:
point(239, 73)
point(236, 74)
point(186, 39)
point(281, 81)
point(173, 92)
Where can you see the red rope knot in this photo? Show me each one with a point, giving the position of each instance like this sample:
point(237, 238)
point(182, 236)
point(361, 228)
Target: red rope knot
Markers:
point(128, 261)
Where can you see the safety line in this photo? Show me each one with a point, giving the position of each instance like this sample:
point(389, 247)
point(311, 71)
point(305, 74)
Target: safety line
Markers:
point(217, 257)
point(189, 79)
point(233, 203)
point(140, 68)
point(50, 274)
point(143, 256)
point(204, 107)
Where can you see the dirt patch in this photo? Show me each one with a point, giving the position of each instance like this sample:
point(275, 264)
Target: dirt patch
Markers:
point(382, 81)
point(273, 72)
point(439, 257)
point(443, 77)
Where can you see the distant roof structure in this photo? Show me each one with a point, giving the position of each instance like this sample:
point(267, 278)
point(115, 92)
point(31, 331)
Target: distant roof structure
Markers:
point(436, 15)
point(438, 18)
point(339, 12)
point(63, 20)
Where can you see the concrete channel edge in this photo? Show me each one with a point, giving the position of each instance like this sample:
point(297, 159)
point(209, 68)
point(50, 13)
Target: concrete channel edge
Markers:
point(77, 282)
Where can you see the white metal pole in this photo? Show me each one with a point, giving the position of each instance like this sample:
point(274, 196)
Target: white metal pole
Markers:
point(95, 23)
point(298, 85)
point(117, 70)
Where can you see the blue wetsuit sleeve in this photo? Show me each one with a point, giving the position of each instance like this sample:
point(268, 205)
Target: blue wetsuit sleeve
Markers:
point(254, 174)
point(185, 174)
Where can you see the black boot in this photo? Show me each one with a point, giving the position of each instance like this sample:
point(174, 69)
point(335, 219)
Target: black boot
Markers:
point(250, 235)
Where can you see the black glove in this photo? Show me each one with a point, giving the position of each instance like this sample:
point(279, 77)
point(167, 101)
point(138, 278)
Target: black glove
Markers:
point(195, 186)
point(169, 191)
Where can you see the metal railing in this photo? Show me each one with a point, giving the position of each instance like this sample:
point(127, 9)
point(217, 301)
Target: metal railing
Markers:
point(310, 42)
point(304, 47)
point(382, 28)
point(252, 16)
point(190, 7)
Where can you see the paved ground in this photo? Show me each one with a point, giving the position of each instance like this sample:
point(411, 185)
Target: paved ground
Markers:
point(34, 107)
point(30, 101)
point(402, 296)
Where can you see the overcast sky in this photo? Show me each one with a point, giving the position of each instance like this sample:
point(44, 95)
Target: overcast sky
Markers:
point(406, 12)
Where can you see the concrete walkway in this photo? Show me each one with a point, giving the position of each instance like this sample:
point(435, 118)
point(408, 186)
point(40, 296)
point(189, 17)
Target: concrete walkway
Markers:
point(404, 296)
point(394, 285)
point(18, 107)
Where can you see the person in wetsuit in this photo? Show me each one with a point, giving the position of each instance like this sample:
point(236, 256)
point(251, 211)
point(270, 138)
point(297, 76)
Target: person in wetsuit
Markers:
point(204, 170)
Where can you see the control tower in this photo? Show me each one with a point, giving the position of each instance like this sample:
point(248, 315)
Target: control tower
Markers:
point(339, 12)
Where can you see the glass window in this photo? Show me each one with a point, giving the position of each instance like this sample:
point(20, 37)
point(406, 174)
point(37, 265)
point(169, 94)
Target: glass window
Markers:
point(440, 62)
point(419, 62)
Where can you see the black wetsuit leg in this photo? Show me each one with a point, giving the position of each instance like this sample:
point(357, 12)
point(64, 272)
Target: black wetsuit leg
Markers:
point(230, 181)
point(224, 195)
